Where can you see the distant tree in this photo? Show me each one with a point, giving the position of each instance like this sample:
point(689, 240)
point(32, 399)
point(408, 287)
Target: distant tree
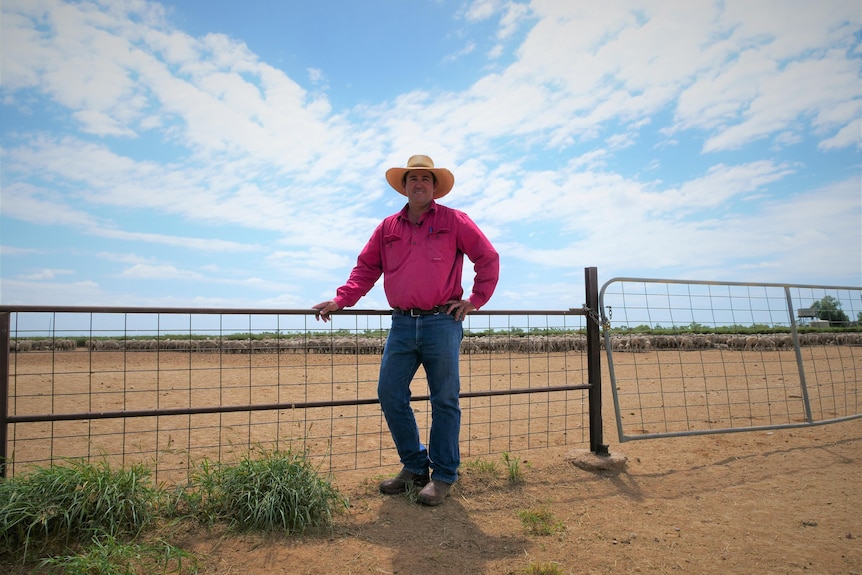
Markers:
point(829, 309)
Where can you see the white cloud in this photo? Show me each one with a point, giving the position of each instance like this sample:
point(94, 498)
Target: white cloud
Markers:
point(514, 15)
point(8, 250)
point(314, 262)
point(480, 10)
point(241, 158)
point(803, 237)
point(584, 65)
point(225, 193)
point(30, 204)
point(127, 258)
point(45, 274)
point(106, 67)
point(37, 206)
point(101, 124)
point(88, 292)
point(159, 272)
point(198, 244)
point(316, 76)
point(593, 200)
point(786, 96)
point(848, 136)
point(468, 48)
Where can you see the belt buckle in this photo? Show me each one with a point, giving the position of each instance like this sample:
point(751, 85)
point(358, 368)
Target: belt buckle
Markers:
point(413, 312)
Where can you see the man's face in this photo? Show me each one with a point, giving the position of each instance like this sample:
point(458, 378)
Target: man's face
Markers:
point(420, 187)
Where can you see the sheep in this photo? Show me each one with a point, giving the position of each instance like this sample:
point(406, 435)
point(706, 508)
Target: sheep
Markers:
point(639, 343)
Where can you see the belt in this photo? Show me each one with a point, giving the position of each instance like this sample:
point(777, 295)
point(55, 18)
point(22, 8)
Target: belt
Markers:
point(416, 312)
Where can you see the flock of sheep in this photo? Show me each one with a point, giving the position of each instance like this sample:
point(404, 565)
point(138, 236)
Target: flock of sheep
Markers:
point(731, 341)
point(470, 345)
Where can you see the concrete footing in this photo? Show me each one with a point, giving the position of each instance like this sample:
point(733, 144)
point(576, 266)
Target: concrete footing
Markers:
point(589, 461)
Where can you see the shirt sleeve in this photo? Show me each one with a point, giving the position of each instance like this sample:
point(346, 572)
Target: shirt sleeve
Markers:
point(366, 272)
point(486, 261)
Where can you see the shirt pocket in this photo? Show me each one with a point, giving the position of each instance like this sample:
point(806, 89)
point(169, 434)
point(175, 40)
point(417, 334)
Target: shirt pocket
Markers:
point(395, 252)
point(441, 246)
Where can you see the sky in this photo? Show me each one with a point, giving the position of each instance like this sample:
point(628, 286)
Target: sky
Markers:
point(232, 154)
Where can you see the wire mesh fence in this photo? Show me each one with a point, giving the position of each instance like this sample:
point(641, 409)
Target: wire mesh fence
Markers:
point(169, 388)
point(706, 357)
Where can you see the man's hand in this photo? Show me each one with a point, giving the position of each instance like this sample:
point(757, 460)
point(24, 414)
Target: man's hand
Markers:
point(459, 308)
point(324, 309)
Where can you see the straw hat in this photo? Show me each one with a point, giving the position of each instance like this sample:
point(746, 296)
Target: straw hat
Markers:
point(445, 179)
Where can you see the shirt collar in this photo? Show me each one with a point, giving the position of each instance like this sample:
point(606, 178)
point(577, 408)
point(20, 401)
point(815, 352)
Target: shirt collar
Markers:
point(431, 209)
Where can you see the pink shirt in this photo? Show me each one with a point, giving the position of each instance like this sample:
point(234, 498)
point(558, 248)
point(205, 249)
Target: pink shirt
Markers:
point(421, 264)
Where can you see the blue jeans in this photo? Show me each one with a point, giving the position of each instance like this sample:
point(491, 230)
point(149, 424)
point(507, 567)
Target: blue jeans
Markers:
point(433, 341)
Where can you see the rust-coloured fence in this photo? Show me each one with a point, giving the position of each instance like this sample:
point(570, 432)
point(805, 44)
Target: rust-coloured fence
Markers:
point(169, 387)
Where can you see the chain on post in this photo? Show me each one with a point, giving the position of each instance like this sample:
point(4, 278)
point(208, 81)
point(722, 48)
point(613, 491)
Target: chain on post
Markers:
point(593, 315)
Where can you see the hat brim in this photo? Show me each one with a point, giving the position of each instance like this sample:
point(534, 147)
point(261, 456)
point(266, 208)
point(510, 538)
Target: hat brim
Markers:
point(445, 180)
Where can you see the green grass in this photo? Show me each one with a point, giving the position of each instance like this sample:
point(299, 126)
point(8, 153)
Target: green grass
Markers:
point(412, 493)
point(73, 502)
point(110, 556)
point(278, 491)
point(97, 516)
point(482, 467)
point(513, 469)
point(488, 471)
point(543, 569)
point(540, 522)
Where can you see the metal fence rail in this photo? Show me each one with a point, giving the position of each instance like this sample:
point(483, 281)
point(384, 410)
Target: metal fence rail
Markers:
point(690, 357)
point(169, 387)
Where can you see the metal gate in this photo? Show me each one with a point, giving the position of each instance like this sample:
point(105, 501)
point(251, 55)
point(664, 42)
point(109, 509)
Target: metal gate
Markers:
point(700, 357)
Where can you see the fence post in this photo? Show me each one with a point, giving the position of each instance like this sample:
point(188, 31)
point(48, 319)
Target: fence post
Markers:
point(594, 359)
point(800, 365)
point(4, 389)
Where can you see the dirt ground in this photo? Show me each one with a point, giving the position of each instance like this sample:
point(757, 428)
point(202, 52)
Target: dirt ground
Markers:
point(764, 502)
point(777, 502)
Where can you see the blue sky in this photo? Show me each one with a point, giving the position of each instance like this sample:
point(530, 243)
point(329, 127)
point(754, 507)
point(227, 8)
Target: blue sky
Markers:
point(231, 154)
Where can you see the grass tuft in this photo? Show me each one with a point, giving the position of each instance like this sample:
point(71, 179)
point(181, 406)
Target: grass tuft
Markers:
point(277, 491)
point(482, 466)
point(95, 514)
point(109, 556)
point(74, 501)
point(513, 469)
point(540, 522)
point(543, 569)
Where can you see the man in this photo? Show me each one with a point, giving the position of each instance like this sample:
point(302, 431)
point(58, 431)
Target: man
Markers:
point(420, 251)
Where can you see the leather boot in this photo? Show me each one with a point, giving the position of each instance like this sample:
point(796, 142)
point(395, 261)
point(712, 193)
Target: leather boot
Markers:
point(402, 482)
point(434, 493)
